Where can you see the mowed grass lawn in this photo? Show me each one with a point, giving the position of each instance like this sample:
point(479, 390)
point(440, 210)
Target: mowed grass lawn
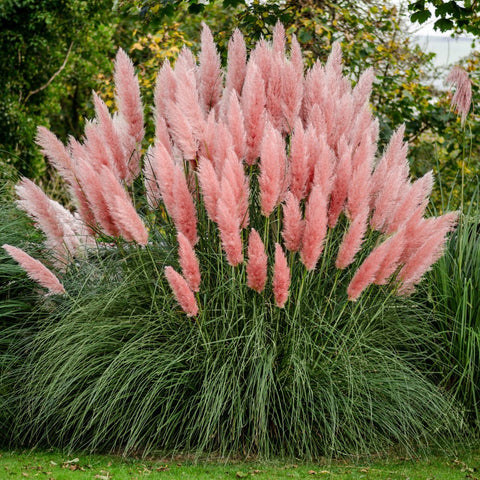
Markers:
point(57, 466)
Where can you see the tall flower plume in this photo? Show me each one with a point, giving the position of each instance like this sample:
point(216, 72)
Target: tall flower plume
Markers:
point(182, 292)
point(462, 98)
point(257, 262)
point(35, 269)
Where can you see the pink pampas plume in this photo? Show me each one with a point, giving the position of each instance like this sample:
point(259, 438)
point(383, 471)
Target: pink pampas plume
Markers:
point(462, 97)
point(184, 212)
point(96, 148)
point(394, 157)
point(109, 135)
point(182, 292)
point(234, 173)
point(128, 95)
point(363, 88)
point(315, 228)
point(236, 125)
point(229, 224)
point(298, 160)
point(181, 131)
point(56, 153)
point(422, 258)
point(236, 63)
point(57, 223)
point(189, 262)
point(257, 262)
point(35, 270)
point(210, 186)
point(353, 239)
point(123, 213)
point(341, 182)
point(358, 196)
point(91, 185)
point(368, 272)
point(187, 96)
point(253, 105)
point(393, 257)
point(321, 160)
point(272, 169)
point(278, 38)
point(412, 197)
point(293, 224)
point(291, 95)
point(209, 72)
point(165, 90)
point(281, 277)
point(163, 169)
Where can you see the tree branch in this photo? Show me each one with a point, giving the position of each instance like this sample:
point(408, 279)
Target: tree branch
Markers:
point(43, 87)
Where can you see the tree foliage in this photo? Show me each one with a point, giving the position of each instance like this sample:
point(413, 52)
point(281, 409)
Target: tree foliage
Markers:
point(458, 17)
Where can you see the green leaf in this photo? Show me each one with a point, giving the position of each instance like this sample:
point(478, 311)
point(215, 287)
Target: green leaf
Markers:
point(443, 24)
point(421, 17)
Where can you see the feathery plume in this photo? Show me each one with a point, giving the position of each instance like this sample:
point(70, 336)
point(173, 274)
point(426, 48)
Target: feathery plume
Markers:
point(298, 161)
point(462, 97)
point(353, 239)
point(315, 228)
point(109, 135)
point(253, 105)
point(189, 262)
point(122, 211)
point(182, 292)
point(210, 186)
point(209, 71)
point(368, 270)
point(35, 270)
point(272, 169)
point(165, 90)
point(56, 153)
point(229, 224)
point(184, 212)
point(128, 95)
point(236, 126)
point(257, 262)
point(341, 182)
point(419, 262)
point(281, 277)
point(236, 63)
point(293, 224)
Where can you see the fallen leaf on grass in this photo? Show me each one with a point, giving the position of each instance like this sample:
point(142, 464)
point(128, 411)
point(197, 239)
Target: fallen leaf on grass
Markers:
point(103, 477)
point(75, 460)
point(53, 463)
point(241, 475)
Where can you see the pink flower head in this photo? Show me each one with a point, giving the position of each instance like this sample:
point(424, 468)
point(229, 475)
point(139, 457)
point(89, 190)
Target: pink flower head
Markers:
point(229, 224)
point(293, 224)
point(128, 96)
point(272, 170)
point(188, 262)
point(35, 270)
point(56, 153)
point(353, 239)
point(281, 277)
point(182, 292)
point(210, 186)
point(422, 259)
point(298, 159)
point(122, 211)
point(315, 228)
point(236, 63)
point(257, 262)
point(184, 212)
point(462, 98)
point(209, 72)
point(109, 135)
point(165, 90)
point(253, 105)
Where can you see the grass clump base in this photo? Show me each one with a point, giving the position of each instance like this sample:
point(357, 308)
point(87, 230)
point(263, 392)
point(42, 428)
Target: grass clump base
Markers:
point(117, 366)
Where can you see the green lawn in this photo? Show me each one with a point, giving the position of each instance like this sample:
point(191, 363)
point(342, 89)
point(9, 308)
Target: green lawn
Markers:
point(56, 466)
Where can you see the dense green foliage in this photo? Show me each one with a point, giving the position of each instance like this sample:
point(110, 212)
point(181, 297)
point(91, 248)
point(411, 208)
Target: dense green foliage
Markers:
point(460, 17)
point(116, 365)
